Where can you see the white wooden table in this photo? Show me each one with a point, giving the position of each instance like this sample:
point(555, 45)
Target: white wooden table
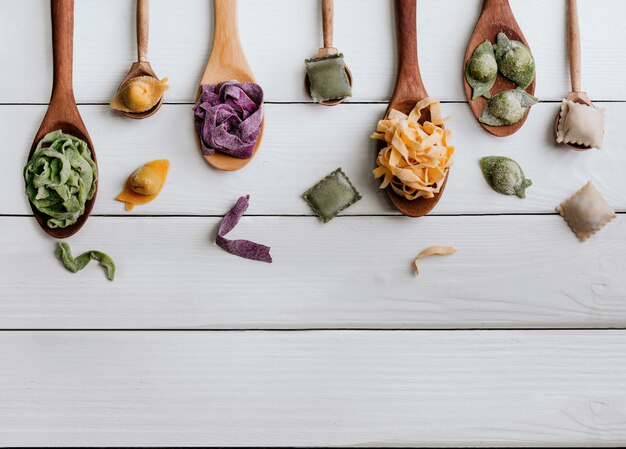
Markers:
point(518, 339)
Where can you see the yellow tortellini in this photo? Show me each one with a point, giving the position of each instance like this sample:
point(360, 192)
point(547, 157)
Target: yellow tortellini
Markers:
point(139, 94)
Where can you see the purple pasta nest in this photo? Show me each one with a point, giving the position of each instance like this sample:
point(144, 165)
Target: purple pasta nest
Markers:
point(228, 118)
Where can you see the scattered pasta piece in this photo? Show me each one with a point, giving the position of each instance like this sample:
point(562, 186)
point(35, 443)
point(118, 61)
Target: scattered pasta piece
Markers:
point(144, 184)
point(242, 248)
point(432, 251)
point(416, 159)
point(586, 211)
point(331, 195)
point(64, 254)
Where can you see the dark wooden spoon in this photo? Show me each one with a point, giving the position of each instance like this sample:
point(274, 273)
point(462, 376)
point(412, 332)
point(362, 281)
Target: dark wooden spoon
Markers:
point(62, 112)
point(142, 67)
point(496, 17)
point(573, 47)
point(408, 91)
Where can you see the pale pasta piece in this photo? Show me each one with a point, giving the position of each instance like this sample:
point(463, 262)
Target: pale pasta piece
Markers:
point(432, 251)
point(581, 125)
point(586, 212)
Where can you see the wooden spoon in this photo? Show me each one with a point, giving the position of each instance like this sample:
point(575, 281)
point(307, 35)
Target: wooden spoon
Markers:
point(62, 112)
point(328, 24)
point(142, 66)
point(496, 17)
point(227, 62)
point(408, 91)
point(573, 47)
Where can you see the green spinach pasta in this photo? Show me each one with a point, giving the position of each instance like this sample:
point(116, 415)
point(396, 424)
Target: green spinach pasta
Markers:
point(60, 178)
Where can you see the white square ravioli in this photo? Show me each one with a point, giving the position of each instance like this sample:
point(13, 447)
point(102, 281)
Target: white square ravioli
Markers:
point(581, 125)
point(586, 211)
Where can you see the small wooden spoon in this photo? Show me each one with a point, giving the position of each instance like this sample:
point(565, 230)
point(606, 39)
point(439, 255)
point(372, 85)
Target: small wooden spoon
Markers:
point(227, 62)
point(62, 111)
point(496, 17)
point(328, 25)
point(142, 66)
point(408, 91)
point(573, 47)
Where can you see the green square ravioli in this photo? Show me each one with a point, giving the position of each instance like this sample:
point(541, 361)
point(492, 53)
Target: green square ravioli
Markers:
point(331, 195)
point(328, 78)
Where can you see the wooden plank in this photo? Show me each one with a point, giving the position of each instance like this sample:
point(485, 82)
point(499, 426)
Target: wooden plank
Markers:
point(355, 272)
point(313, 389)
point(302, 144)
point(181, 37)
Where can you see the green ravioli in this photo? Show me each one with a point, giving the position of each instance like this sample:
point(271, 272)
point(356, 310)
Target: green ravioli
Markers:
point(328, 78)
point(481, 70)
point(507, 107)
point(64, 254)
point(515, 61)
point(331, 195)
point(504, 175)
point(60, 178)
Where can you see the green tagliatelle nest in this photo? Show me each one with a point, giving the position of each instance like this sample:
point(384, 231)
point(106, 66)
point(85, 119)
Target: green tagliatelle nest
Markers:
point(60, 178)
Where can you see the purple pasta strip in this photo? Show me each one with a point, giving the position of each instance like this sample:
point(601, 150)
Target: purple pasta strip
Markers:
point(228, 118)
point(241, 248)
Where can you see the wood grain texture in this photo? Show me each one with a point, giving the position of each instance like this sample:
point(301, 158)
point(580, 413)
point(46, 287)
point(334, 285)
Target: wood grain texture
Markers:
point(294, 161)
point(356, 389)
point(496, 17)
point(181, 42)
point(512, 271)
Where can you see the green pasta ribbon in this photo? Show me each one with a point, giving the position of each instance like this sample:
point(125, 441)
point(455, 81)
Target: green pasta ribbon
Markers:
point(60, 178)
point(64, 254)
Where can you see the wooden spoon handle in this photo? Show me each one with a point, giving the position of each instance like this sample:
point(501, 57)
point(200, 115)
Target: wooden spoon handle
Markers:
point(328, 22)
point(573, 44)
point(226, 29)
point(409, 81)
point(497, 4)
point(62, 47)
point(143, 22)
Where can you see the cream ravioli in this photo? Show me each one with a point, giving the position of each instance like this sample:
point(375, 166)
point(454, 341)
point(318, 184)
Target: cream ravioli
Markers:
point(586, 212)
point(581, 124)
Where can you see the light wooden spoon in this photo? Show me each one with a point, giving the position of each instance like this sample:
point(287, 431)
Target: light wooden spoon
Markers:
point(573, 47)
point(408, 91)
point(328, 25)
point(142, 66)
point(227, 62)
point(496, 17)
point(62, 111)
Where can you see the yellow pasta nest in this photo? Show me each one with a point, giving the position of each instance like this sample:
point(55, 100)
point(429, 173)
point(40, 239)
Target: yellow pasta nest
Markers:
point(139, 94)
point(416, 159)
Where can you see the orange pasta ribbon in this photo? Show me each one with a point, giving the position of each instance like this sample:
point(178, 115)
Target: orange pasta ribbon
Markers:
point(416, 159)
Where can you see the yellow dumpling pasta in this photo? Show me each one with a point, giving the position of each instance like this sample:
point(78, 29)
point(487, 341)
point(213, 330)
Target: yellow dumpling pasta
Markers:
point(139, 94)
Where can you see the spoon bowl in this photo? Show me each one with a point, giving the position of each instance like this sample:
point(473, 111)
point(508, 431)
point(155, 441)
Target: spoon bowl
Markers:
point(62, 112)
point(409, 90)
point(496, 17)
point(136, 70)
point(142, 66)
point(227, 62)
